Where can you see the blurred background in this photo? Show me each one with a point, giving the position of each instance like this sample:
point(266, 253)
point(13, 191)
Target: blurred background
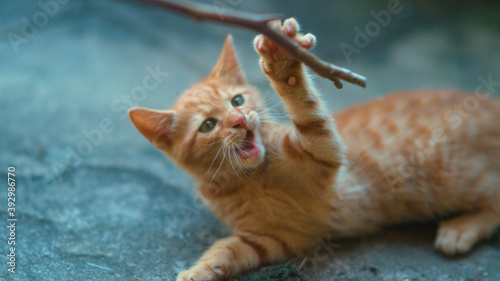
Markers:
point(95, 201)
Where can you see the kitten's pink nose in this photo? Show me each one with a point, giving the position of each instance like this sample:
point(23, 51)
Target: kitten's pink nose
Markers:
point(240, 122)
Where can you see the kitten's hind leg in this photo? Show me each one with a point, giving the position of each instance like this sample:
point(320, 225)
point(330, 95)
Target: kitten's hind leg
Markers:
point(460, 234)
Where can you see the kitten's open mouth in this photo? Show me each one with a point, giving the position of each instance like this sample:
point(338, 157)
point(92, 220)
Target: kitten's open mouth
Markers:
point(249, 148)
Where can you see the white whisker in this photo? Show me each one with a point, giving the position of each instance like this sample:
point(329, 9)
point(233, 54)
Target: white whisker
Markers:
point(276, 104)
point(272, 122)
point(214, 159)
point(231, 162)
point(223, 158)
point(237, 159)
point(245, 172)
point(214, 142)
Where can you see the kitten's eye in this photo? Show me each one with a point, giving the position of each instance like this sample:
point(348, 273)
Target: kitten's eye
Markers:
point(208, 125)
point(238, 101)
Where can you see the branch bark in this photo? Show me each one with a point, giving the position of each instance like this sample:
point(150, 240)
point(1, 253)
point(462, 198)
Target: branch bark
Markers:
point(261, 24)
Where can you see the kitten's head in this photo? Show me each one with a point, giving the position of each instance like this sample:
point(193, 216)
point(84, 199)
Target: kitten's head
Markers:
point(214, 126)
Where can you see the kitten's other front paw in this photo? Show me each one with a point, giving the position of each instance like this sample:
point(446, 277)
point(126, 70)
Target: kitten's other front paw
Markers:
point(205, 272)
point(275, 58)
point(454, 238)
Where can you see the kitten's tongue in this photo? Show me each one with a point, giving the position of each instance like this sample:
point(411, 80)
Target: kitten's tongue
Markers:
point(249, 148)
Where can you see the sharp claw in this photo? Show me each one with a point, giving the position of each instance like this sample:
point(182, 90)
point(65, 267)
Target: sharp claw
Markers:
point(259, 43)
point(265, 67)
point(276, 24)
point(290, 27)
point(220, 269)
point(271, 52)
point(307, 41)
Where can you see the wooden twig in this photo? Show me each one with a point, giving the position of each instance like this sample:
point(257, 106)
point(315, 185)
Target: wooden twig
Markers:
point(261, 24)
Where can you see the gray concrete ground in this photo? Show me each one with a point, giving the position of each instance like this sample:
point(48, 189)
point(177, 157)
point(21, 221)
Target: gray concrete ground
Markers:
point(95, 201)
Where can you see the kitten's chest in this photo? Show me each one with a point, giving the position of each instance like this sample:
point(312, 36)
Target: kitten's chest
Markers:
point(278, 202)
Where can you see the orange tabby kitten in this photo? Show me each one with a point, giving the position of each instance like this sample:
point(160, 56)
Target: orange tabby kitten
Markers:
point(409, 156)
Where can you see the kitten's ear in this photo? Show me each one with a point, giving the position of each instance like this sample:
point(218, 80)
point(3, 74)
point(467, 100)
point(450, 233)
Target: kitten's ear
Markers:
point(155, 125)
point(228, 66)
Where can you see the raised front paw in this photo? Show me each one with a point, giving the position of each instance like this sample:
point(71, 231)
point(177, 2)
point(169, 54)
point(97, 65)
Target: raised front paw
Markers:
point(205, 272)
point(274, 58)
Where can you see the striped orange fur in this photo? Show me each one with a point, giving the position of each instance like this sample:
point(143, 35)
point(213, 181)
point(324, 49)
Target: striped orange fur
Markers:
point(409, 156)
